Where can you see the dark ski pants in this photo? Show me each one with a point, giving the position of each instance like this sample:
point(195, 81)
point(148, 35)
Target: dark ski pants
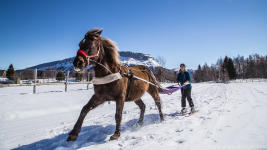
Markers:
point(186, 93)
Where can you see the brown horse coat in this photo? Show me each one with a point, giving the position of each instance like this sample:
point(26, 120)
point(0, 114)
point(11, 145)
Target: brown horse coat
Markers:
point(116, 90)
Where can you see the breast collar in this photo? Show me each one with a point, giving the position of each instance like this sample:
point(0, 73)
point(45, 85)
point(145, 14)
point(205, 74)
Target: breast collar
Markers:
point(107, 79)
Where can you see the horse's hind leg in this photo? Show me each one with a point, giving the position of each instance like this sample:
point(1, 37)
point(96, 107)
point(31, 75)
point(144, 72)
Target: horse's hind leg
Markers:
point(154, 93)
point(157, 101)
point(142, 107)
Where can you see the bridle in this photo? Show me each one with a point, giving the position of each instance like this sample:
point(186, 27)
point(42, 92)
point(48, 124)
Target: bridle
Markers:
point(85, 54)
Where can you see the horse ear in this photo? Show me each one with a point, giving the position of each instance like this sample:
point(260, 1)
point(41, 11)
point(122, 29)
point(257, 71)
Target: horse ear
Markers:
point(98, 32)
point(95, 32)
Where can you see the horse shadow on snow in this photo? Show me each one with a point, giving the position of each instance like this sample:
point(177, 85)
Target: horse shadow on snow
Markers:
point(89, 135)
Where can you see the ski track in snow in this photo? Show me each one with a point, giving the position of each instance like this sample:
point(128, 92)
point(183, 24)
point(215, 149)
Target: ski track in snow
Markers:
point(231, 116)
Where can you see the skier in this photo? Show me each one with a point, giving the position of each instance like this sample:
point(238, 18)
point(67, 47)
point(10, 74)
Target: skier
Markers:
point(183, 79)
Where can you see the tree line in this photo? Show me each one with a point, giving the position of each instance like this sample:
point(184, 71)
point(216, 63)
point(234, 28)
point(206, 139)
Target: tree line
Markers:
point(225, 69)
point(28, 74)
point(254, 66)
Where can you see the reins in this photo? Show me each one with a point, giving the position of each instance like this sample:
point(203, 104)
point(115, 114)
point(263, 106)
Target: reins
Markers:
point(101, 65)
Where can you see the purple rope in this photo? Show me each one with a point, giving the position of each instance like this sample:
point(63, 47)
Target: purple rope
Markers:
point(170, 89)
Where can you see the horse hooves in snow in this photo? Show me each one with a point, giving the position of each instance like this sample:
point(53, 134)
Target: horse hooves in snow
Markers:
point(72, 137)
point(114, 137)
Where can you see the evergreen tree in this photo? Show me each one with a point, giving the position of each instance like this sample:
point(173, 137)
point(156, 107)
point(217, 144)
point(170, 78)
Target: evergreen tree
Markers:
point(224, 65)
point(197, 74)
point(78, 76)
point(10, 74)
point(231, 69)
point(60, 76)
point(42, 75)
point(225, 74)
point(228, 68)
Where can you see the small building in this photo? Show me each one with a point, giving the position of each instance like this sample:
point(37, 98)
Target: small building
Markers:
point(2, 73)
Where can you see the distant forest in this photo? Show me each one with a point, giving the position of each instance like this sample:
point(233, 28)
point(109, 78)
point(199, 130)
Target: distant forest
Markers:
point(254, 66)
point(225, 69)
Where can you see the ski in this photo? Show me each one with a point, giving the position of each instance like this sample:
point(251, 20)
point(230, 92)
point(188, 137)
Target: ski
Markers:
point(190, 114)
point(186, 114)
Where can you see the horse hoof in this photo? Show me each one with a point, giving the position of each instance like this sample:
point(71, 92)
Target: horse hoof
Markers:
point(140, 123)
point(72, 138)
point(114, 137)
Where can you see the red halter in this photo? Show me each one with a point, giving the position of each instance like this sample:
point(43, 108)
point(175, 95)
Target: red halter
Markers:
point(84, 53)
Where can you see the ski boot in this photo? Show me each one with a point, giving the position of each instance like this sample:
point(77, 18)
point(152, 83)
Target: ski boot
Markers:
point(183, 111)
point(193, 110)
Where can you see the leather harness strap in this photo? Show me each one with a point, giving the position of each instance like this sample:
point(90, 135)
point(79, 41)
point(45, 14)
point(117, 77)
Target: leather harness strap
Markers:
point(128, 75)
point(130, 80)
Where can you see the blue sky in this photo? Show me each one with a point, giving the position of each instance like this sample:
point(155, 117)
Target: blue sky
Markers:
point(182, 31)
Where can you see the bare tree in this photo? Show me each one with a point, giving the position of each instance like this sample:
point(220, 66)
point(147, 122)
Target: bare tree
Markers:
point(161, 60)
point(27, 74)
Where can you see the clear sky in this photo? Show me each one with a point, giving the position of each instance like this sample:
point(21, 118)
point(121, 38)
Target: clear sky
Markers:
point(188, 31)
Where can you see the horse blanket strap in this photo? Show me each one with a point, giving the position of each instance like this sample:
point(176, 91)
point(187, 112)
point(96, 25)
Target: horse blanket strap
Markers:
point(107, 79)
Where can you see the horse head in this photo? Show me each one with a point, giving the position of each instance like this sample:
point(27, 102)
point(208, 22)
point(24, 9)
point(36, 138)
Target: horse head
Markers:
point(89, 50)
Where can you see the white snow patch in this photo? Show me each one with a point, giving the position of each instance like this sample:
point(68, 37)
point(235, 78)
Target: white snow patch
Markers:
point(231, 116)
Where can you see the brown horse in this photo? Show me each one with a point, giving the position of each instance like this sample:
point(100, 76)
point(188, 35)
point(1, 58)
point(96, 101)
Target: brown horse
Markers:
point(103, 55)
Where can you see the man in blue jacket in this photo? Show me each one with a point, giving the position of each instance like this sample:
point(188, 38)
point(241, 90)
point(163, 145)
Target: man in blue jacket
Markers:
point(183, 78)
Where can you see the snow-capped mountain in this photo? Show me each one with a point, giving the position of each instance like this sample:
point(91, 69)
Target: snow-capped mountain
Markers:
point(126, 57)
point(130, 58)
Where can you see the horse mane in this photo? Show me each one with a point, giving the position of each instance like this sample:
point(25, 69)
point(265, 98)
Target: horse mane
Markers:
point(111, 51)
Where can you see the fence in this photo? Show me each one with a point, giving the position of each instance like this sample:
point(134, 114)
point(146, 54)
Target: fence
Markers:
point(249, 80)
point(34, 81)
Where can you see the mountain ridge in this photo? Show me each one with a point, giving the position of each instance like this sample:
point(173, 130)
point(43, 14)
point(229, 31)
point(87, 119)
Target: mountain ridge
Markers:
point(127, 57)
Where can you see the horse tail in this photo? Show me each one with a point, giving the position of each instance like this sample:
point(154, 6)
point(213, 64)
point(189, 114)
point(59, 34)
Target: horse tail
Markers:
point(153, 79)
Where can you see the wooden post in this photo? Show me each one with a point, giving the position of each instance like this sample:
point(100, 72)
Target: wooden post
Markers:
point(35, 77)
point(88, 77)
point(66, 83)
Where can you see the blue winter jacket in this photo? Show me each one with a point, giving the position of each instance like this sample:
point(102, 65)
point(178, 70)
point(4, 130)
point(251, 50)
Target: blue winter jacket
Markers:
point(182, 77)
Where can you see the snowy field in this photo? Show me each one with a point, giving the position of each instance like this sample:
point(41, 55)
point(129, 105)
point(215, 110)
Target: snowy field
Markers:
point(231, 116)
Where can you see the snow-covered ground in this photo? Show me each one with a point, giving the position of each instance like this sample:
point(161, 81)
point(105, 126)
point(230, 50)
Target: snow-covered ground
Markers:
point(231, 116)
point(3, 79)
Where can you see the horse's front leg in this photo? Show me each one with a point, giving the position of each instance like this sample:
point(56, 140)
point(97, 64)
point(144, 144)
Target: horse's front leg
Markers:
point(118, 116)
point(93, 103)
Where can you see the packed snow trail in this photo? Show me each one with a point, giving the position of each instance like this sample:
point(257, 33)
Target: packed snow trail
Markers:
point(231, 116)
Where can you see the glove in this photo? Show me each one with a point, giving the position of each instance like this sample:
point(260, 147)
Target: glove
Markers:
point(186, 83)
